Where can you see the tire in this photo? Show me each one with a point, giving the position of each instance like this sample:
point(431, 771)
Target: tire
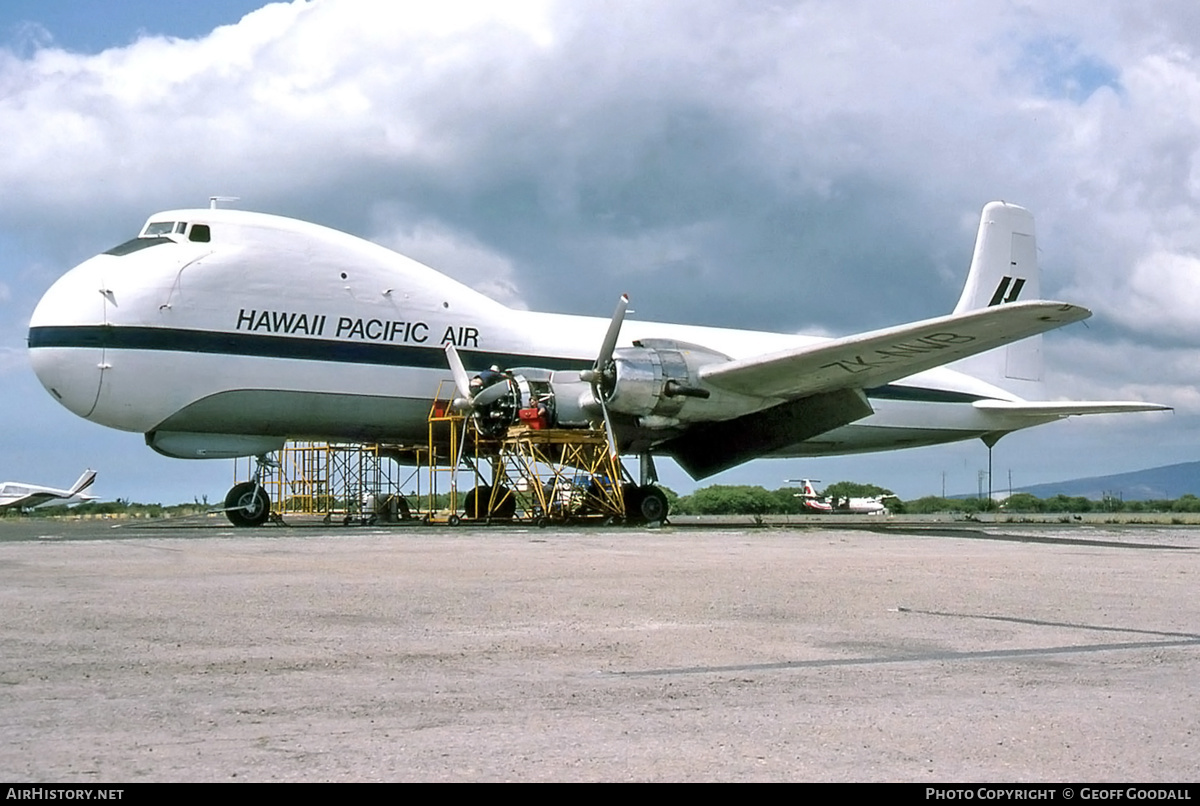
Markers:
point(247, 504)
point(506, 505)
point(633, 502)
point(504, 508)
point(475, 502)
point(653, 506)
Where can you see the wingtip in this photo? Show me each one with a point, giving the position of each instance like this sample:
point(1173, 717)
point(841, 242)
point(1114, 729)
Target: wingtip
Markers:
point(1058, 311)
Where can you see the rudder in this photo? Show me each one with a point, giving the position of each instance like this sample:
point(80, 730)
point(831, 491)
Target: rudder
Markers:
point(1004, 266)
point(1004, 269)
point(83, 482)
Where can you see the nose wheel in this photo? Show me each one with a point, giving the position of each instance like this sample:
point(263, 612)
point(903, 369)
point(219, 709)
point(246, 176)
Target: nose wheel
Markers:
point(247, 503)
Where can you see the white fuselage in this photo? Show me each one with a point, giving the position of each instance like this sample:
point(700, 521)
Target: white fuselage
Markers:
point(858, 506)
point(278, 329)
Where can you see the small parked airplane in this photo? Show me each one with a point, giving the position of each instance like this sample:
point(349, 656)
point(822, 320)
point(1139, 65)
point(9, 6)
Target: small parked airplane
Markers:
point(17, 495)
point(220, 333)
point(841, 504)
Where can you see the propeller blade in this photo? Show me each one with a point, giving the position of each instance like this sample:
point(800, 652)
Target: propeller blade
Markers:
point(490, 395)
point(608, 429)
point(614, 332)
point(461, 381)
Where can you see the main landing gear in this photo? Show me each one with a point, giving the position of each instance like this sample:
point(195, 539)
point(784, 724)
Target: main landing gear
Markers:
point(247, 503)
point(645, 504)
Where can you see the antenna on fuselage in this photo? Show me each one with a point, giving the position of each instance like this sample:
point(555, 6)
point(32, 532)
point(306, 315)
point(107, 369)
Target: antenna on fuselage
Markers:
point(214, 200)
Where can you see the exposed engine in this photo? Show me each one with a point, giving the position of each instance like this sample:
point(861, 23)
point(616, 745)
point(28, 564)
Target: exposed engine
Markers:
point(542, 398)
point(656, 382)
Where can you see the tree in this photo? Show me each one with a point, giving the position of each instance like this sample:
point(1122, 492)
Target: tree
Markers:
point(1023, 502)
point(852, 489)
point(728, 500)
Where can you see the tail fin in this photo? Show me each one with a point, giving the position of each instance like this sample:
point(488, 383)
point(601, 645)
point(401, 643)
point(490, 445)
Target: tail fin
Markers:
point(1004, 269)
point(84, 482)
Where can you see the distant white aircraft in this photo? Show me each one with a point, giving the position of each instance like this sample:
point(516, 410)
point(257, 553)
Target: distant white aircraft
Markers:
point(219, 333)
point(17, 495)
point(840, 504)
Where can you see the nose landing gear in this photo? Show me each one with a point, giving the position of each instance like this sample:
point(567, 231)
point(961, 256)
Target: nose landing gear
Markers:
point(247, 503)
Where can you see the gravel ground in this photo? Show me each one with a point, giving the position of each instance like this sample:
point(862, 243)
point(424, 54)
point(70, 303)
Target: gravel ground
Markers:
point(868, 652)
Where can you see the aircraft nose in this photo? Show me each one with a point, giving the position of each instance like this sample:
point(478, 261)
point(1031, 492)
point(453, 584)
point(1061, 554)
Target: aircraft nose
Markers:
point(66, 345)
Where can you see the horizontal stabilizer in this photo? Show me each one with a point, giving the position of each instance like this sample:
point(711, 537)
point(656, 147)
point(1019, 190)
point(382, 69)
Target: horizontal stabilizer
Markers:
point(882, 356)
point(1066, 408)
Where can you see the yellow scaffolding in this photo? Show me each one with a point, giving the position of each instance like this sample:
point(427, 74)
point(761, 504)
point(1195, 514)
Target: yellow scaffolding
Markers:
point(561, 475)
point(347, 481)
point(533, 474)
point(442, 460)
point(455, 447)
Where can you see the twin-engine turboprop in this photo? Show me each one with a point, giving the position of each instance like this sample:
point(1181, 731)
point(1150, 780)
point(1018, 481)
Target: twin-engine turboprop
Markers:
point(222, 333)
point(841, 504)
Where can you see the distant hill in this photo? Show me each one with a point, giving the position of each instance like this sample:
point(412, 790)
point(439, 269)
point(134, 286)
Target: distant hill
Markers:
point(1168, 481)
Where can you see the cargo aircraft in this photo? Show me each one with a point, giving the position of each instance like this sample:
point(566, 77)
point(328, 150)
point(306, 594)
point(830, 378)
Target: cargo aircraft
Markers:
point(220, 333)
point(18, 495)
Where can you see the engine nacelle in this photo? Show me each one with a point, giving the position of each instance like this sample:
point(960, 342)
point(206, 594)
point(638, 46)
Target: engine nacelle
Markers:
point(656, 379)
point(652, 381)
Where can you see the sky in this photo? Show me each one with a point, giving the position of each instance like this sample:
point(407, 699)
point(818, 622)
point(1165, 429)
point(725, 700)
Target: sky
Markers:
point(810, 167)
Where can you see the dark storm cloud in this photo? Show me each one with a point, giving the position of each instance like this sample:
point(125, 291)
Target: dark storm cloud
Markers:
point(798, 166)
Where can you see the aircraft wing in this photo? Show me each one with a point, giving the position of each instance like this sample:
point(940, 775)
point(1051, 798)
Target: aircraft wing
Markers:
point(37, 499)
point(25, 499)
point(1066, 408)
point(882, 356)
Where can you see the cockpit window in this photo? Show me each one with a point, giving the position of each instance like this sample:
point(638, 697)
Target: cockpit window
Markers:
point(159, 228)
point(200, 233)
point(137, 244)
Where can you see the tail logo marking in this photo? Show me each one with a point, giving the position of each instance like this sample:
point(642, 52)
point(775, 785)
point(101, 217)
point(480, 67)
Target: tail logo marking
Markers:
point(1004, 293)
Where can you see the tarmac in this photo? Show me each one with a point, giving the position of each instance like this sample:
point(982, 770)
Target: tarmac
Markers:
point(848, 651)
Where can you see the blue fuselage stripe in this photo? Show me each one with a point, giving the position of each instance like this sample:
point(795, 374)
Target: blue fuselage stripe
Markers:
point(268, 346)
point(107, 337)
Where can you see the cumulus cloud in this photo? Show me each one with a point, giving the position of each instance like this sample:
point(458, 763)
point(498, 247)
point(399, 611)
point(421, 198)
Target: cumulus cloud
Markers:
point(1082, 367)
point(764, 166)
point(1161, 296)
point(456, 256)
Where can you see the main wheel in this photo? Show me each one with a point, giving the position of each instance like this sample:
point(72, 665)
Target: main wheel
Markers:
point(653, 506)
point(506, 504)
point(504, 507)
point(632, 494)
point(247, 504)
point(475, 502)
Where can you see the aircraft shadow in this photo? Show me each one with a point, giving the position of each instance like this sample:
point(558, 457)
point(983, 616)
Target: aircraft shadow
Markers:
point(1167, 640)
point(979, 534)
